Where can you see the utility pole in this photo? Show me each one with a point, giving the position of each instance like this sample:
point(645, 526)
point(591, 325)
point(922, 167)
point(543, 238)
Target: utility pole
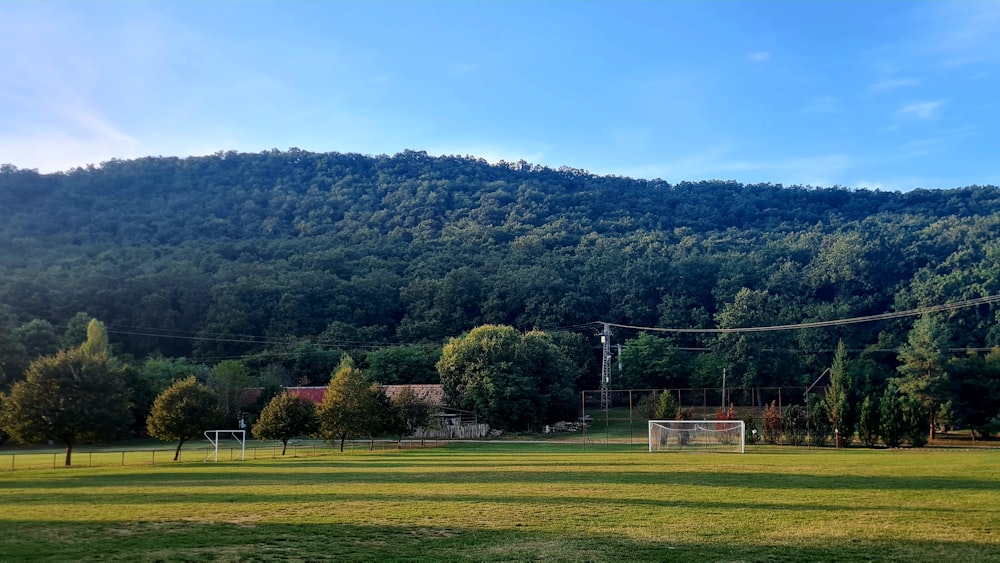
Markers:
point(723, 388)
point(606, 365)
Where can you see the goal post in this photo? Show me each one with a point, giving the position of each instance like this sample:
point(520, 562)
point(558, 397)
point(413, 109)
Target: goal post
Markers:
point(216, 436)
point(697, 435)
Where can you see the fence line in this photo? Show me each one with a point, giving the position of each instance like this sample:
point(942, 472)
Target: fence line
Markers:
point(20, 461)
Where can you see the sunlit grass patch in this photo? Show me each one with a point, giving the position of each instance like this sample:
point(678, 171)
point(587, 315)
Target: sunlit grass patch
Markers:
point(503, 501)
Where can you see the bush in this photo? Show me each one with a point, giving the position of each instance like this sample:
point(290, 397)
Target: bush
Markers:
point(915, 422)
point(666, 407)
point(795, 424)
point(772, 423)
point(820, 426)
point(868, 421)
point(891, 424)
point(646, 406)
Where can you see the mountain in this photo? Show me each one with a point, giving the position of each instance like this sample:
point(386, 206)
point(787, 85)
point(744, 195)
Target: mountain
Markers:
point(231, 252)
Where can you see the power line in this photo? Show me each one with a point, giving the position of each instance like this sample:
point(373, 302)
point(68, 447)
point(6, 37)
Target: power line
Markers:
point(820, 324)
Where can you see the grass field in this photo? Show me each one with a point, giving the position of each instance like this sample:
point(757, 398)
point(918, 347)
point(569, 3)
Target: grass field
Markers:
point(508, 501)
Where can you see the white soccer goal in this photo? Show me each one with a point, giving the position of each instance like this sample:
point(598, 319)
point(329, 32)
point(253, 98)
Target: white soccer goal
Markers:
point(216, 436)
point(697, 435)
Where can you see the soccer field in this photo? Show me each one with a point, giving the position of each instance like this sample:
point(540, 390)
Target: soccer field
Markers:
point(503, 501)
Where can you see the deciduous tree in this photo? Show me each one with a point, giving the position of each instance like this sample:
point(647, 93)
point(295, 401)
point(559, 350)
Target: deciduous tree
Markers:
point(284, 418)
point(349, 407)
point(69, 397)
point(182, 412)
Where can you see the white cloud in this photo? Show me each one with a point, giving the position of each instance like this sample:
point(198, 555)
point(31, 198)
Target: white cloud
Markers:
point(717, 163)
point(921, 110)
point(887, 84)
point(957, 33)
point(759, 56)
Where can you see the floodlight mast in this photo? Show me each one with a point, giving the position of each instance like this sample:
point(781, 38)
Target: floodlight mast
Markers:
point(606, 365)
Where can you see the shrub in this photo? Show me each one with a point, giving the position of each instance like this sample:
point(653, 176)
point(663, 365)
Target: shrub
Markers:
point(666, 407)
point(891, 424)
point(820, 426)
point(915, 422)
point(772, 423)
point(868, 421)
point(795, 425)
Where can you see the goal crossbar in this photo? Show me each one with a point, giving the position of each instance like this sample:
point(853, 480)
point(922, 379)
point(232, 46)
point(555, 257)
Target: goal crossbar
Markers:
point(691, 435)
point(216, 436)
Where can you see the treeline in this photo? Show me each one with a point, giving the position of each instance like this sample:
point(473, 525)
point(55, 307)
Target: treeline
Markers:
point(86, 394)
point(283, 258)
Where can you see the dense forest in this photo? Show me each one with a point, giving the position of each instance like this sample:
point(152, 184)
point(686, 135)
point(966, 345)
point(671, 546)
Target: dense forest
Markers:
point(283, 257)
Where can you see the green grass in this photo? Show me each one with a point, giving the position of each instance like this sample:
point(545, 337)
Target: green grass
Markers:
point(507, 501)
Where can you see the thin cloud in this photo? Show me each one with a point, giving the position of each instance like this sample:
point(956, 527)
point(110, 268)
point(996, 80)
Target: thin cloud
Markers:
point(920, 110)
point(759, 56)
point(959, 33)
point(888, 84)
point(821, 170)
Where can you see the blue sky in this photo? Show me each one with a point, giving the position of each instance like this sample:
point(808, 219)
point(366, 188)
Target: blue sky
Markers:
point(890, 95)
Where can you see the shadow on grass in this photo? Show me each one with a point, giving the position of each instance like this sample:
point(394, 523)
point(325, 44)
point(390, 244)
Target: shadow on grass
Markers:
point(192, 477)
point(585, 500)
point(424, 541)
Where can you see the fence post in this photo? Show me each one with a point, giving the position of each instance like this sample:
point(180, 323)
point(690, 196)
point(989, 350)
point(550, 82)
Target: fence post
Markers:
point(90, 459)
point(154, 458)
point(123, 458)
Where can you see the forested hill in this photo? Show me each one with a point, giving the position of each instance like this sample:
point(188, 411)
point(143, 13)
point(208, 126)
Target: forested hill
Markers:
point(353, 249)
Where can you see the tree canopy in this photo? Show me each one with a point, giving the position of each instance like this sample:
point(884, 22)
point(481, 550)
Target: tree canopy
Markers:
point(284, 418)
point(286, 260)
point(70, 396)
point(182, 412)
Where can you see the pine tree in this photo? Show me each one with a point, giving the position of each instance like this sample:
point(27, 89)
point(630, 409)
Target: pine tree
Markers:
point(839, 399)
point(892, 427)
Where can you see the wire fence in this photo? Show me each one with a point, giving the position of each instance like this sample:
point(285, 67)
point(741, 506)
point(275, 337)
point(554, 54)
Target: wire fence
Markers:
point(51, 459)
point(621, 415)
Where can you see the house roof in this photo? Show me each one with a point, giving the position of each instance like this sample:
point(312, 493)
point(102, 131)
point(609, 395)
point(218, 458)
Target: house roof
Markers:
point(313, 394)
point(432, 394)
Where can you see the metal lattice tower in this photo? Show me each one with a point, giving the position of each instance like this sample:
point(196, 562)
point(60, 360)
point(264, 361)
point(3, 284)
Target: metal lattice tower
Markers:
point(606, 365)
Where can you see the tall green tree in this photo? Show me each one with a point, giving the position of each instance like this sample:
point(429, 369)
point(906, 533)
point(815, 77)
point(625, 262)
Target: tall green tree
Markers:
point(38, 337)
point(974, 388)
point(396, 365)
point(820, 426)
point(350, 405)
point(868, 420)
point(97, 343)
point(12, 354)
point(650, 362)
point(183, 411)
point(229, 379)
point(892, 426)
point(840, 398)
point(284, 418)
point(924, 366)
point(408, 412)
point(71, 396)
point(76, 330)
point(507, 379)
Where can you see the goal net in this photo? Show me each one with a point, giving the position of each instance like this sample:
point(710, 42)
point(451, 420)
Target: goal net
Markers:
point(216, 436)
point(697, 435)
